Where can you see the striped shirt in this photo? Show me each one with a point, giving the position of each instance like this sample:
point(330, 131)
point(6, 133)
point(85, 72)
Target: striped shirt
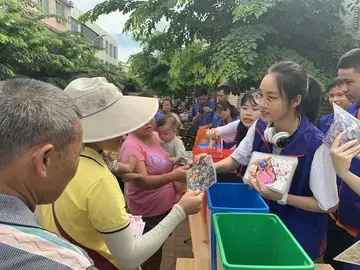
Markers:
point(24, 244)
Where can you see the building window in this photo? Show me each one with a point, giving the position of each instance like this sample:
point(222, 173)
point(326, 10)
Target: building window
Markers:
point(45, 5)
point(74, 26)
point(60, 9)
point(111, 50)
point(93, 36)
point(107, 46)
point(101, 42)
point(115, 52)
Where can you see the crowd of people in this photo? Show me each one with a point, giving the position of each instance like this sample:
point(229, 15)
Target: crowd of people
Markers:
point(72, 150)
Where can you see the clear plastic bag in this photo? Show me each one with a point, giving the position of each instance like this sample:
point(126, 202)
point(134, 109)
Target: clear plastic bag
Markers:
point(201, 176)
point(343, 121)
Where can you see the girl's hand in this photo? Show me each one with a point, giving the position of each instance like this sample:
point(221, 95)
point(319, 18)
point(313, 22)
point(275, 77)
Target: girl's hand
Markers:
point(198, 158)
point(212, 143)
point(266, 193)
point(342, 155)
point(213, 134)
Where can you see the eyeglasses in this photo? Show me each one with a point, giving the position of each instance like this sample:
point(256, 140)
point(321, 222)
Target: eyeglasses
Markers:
point(268, 102)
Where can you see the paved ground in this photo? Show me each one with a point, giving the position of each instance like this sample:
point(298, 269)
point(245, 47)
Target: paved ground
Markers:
point(176, 248)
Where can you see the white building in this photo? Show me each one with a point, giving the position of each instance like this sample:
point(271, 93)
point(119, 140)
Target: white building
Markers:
point(59, 7)
point(98, 35)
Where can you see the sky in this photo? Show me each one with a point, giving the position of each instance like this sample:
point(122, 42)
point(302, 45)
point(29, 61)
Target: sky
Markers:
point(113, 24)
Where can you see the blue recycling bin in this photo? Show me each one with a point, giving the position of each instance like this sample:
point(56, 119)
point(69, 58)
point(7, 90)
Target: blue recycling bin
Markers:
point(230, 197)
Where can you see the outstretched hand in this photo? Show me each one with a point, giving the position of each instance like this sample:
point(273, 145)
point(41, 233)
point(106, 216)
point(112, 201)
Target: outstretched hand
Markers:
point(191, 202)
point(179, 174)
point(342, 155)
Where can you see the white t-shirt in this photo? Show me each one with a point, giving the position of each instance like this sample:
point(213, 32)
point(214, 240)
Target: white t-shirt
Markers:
point(322, 174)
point(228, 132)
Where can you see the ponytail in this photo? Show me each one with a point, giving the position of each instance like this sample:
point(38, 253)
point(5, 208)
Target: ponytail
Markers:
point(292, 80)
point(311, 103)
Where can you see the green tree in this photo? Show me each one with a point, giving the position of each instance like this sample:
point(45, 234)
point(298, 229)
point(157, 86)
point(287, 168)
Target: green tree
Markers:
point(239, 38)
point(29, 49)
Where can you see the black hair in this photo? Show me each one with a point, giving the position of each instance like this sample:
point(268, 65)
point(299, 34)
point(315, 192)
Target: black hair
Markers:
point(201, 92)
point(167, 100)
point(350, 60)
point(225, 88)
point(241, 128)
point(223, 105)
point(145, 94)
point(334, 83)
point(167, 119)
point(292, 80)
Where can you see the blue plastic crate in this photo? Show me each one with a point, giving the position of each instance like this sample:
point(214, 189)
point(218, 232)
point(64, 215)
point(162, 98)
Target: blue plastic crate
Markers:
point(228, 198)
point(206, 145)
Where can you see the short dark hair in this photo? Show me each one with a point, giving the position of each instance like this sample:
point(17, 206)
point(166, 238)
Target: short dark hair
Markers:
point(167, 119)
point(223, 105)
point(334, 83)
point(166, 99)
point(145, 94)
point(350, 60)
point(34, 112)
point(225, 88)
point(201, 92)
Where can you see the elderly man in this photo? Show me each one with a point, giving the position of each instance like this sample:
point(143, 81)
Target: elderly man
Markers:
point(40, 142)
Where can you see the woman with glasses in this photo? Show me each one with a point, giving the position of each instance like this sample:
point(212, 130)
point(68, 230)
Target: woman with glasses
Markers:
point(289, 100)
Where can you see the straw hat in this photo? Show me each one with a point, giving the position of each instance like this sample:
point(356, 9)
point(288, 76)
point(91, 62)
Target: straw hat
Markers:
point(106, 112)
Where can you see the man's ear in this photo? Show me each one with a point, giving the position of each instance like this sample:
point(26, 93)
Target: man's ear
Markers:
point(41, 159)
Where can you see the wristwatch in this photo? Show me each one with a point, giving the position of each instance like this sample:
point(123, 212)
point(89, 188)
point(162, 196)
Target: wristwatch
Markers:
point(283, 200)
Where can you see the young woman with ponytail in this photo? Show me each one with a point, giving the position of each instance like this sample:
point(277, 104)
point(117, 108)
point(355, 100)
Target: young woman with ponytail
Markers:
point(289, 101)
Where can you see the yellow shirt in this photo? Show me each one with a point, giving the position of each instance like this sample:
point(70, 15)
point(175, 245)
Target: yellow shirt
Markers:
point(91, 203)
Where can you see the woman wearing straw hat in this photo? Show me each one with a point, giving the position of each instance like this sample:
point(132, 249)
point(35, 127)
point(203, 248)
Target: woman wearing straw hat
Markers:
point(91, 211)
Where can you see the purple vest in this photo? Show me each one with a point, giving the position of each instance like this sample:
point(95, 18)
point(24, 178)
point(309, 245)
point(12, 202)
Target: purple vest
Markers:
point(307, 227)
point(348, 212)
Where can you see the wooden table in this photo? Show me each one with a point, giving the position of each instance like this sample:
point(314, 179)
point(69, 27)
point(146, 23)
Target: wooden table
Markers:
point(200, 243)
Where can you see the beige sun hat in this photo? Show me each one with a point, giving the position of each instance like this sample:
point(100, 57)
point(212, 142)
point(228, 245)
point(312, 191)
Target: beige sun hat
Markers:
point(106, 112)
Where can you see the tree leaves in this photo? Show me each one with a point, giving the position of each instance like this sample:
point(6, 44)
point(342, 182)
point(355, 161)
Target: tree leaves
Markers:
point(273, 54)
point(207, 41)
point(28, 48)
point(251, 8)
point(232, 55)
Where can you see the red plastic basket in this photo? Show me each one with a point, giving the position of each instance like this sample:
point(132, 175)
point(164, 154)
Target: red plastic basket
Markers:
point(216, 153)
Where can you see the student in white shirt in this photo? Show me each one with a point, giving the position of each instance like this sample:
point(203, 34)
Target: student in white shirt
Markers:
point(289, 100)
point(237, 130)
